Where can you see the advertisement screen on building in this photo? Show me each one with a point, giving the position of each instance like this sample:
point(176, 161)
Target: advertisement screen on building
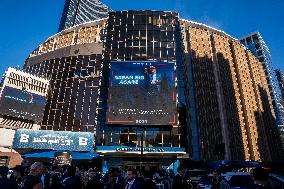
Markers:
point(53, 140)
point(22, 104)
point(142, 93)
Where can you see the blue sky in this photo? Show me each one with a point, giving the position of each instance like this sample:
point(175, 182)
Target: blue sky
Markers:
point(27, 23)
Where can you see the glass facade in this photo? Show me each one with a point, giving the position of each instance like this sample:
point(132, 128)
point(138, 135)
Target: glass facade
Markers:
point(72, 102)
point(80, 11)
point(139, 36)
point(280, 80)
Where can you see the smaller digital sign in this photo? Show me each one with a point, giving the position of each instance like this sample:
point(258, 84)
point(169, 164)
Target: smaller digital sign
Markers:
point(142, 93)
point(62, 158)
point(22, 104)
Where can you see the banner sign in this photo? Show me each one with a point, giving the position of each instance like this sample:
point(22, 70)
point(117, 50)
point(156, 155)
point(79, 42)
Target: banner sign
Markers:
point(54, 140)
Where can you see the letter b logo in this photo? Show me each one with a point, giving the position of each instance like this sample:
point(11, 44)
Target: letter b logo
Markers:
point(83, 141)
point(24, 138)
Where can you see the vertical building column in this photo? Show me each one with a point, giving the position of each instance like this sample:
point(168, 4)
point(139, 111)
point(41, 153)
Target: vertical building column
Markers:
point(247, 135)
point(220, 99)
point(261, 123)
point(190, 98)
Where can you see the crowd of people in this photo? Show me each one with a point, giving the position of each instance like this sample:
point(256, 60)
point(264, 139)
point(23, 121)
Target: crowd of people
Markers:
point(41, 176)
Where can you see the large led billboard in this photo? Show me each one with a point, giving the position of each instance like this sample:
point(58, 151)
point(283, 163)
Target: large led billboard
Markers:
point(22, 104)
point(142, 93)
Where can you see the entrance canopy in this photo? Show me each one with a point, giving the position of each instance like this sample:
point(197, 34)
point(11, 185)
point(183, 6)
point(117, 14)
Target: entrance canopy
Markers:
point(75, 155)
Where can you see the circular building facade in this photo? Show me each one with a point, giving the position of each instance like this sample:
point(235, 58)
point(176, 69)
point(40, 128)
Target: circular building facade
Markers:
point(220, 105)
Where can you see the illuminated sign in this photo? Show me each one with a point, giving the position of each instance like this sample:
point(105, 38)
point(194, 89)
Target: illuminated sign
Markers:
point(54, 140)
point(62, 158)
point(135, 149)
point(142, 93)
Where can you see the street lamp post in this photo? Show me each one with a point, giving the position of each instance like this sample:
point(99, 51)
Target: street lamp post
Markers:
point(142, 146)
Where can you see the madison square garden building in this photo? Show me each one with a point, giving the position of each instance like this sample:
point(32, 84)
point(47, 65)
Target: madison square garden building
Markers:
point(150, 79)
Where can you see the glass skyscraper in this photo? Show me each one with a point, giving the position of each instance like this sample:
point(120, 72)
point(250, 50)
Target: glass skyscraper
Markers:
point(80, 11)
point(255, 43)
point(280, 80)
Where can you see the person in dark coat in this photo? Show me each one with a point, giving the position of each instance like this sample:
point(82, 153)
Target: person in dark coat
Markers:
point(119, 180)
point(148, 183)
point(6, 183)
point(260, 178)
point(94, 180)
point(18, 174)
point(32, 180)
point(70, 180)
point(132, 182)
point(179, 180)
point(54, 182)
point(45, 177)
point(218, 182)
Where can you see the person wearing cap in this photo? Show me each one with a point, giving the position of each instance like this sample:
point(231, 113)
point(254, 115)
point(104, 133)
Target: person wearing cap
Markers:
point(218, 182)
point(6, 183)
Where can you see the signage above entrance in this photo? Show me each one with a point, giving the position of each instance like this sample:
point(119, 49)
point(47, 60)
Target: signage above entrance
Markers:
point(137, 150)
point(55, 140)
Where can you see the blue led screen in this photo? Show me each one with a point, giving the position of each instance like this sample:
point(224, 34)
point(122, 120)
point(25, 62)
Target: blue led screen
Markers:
point(22, 104)
point(142, 93)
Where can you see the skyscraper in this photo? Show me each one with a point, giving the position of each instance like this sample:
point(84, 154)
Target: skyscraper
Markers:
point(79, 11)
point(280, 80)
point(255, 43)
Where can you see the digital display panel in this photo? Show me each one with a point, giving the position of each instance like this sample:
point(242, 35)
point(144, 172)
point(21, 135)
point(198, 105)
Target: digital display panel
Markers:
point(142, 93)
point(22, 104)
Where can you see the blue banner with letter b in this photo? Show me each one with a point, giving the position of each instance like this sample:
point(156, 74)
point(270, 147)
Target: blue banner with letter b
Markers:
point(53, 140)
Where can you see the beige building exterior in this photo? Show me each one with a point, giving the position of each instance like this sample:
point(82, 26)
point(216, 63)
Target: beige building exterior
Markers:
point(233, 101)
